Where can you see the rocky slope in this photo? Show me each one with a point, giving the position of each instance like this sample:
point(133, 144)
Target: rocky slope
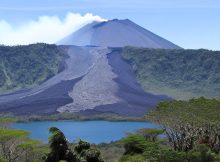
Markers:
point(96, 80)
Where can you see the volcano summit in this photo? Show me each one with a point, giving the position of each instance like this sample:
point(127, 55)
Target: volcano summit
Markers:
point(116, 33)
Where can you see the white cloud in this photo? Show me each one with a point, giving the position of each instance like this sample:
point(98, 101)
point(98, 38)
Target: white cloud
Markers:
point(47, 29)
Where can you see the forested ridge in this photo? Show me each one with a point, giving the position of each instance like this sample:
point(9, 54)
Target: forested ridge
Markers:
point(179, 73)
point(26, 66)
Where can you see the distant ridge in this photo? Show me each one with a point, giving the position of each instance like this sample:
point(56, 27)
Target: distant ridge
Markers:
point(116, 33)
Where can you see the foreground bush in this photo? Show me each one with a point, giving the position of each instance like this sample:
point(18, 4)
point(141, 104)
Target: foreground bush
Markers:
point(15, 146)
point(59, 147)
point(60, 151)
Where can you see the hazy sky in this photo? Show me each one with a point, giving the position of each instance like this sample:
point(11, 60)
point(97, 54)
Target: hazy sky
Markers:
point(187, 23)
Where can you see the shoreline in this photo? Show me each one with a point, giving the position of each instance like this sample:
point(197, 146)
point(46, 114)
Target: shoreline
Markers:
point(75, 117)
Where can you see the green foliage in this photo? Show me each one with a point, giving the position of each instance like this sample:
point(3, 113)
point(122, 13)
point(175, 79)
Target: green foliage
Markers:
point(92, 155)
point(179, 73)
point(81, 146)
point(87, 154)
point(60, 150)
point(30, 144)
point(191, 141)
point(59, 147)
point(138, 145)
point(111, 151)
point(15, 146)
point(169, 155)
point(8, 134)
point(133, 158)
point(26, 66)
point(188, 123)
point(134, 144)
point(3, 160)
point(150, 134)
point(143, 142)
point(6, 121)
point(77, 117)
point(198, 110)
point(201, 153)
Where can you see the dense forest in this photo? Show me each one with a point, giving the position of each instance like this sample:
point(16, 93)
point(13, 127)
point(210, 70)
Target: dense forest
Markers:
point(179, 73)
point(26, 66)
point(189, 132)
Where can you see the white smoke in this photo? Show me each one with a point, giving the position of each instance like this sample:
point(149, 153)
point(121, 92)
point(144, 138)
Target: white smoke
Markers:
point(47, 29)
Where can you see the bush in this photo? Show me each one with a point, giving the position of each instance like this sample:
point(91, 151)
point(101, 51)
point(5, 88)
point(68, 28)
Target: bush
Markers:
point(3, 160)
point(201, 154)
point(87, 154)
point(132, 158)
point(172, 156)
point(134, 144)
point(59, 147)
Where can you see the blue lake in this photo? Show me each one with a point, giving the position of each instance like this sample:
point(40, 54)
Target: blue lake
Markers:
point(91, 131)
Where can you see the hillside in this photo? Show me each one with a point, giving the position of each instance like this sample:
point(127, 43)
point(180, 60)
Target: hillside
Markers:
point(179, 73)
point(116, 33)
point(163, 74)
point(26, 66)
point(75, 89)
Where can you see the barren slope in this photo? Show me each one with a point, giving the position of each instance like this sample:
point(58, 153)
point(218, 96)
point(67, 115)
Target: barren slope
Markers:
point(116, 33)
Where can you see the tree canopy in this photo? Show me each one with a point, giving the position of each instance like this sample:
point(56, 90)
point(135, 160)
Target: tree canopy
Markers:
point(188, 123)
point(179, 73)
point(59, 149)
point(26, 66)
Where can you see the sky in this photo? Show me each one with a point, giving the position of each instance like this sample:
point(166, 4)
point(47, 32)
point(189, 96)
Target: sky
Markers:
point(188, 23)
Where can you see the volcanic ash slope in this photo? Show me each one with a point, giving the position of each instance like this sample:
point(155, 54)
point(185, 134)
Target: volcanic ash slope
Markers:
point(96, 88)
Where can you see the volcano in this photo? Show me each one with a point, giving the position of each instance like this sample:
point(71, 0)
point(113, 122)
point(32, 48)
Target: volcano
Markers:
point(116, 33)
point(95, 78)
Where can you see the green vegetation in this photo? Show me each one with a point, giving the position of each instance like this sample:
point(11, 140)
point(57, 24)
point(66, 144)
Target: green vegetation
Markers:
point(111, 152)
point(75, 117)
point(179, 73)
point(59, 147)
point(140, 149)
point(187, 123)
point(5, 122)
point(190, 131)
point(85, 153)
point(15, 146)
point(60, 150)
point(27, 66)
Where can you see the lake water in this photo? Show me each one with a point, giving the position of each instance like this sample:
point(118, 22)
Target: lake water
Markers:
point(91, 131)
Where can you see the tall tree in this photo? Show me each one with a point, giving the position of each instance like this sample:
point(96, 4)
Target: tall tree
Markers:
point(189, 123)
point(59, 147)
